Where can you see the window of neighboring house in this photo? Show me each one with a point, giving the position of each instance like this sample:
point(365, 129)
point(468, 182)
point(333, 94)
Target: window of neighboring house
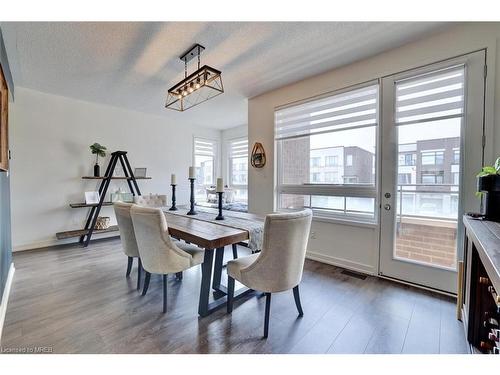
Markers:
point(404, 178)
point(456, 178)
point(205, 160)
point(331, 161)
point(432, 178)
point(456, 156)
point(432, 157)
point(408, 159)
point(238, 168)
point(315, 162)
point(340, 128)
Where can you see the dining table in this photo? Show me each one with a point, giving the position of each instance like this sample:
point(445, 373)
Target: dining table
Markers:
point(213, 236)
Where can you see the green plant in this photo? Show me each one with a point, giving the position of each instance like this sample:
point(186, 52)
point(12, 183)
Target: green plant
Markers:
point(490, 170)
point(98, 150)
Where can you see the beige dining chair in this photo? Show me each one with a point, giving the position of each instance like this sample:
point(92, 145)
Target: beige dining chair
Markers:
point(159, 253)
point(127, 237)
point(278, 267)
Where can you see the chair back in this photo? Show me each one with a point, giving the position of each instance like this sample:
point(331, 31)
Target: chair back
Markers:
point(281, 261)
point(127, 235)
point(151, 200)
point(159, 254)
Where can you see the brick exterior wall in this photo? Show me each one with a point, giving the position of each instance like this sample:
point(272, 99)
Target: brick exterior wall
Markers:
point(427, 243)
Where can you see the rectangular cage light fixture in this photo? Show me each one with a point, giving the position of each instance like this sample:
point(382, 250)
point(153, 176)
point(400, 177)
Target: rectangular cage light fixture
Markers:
point(200, 86)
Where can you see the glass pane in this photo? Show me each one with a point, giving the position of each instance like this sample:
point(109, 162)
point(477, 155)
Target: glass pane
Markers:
point(427, 193)
point(204, 175)
point(340, 157)
point(239, 171)
point(294, 201)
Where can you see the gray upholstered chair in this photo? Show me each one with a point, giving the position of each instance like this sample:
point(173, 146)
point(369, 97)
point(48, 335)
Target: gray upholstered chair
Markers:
point(278, 267)
point(159, 253)
point(127, 237)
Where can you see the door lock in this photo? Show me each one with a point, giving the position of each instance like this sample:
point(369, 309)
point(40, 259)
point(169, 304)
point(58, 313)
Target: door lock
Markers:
point(387, 207)
point(387, 195)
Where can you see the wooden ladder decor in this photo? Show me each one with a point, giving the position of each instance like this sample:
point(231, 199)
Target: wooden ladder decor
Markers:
point(116, 156)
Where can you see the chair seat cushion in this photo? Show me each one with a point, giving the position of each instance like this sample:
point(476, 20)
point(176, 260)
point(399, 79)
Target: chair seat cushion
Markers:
point(192, 250)
point(235, 266)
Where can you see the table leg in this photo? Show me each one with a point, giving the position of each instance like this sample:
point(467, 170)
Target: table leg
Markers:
point(206, 278)
point(219, 259)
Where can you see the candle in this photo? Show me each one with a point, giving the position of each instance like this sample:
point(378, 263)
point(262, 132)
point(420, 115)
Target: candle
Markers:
point(220, 186)
point(192, 173)
point(172, 180)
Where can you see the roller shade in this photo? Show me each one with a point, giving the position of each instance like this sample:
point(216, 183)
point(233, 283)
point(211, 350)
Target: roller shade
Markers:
point(204, 147)
point(238, 148)
point(430, 97)
point(349, 109)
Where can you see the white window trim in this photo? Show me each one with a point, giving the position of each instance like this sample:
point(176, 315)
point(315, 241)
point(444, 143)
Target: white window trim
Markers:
point(345, 190)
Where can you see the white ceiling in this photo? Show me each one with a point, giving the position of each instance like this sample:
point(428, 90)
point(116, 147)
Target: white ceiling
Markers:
point(131, 64)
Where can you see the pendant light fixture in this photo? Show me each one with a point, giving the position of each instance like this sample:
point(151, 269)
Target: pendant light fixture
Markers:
point(204, 84)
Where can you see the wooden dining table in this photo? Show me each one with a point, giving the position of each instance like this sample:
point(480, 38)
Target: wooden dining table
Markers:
point(213, 238)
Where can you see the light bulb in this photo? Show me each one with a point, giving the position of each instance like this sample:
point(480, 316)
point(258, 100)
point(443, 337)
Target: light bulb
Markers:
point(197, 86)
point(184, 93)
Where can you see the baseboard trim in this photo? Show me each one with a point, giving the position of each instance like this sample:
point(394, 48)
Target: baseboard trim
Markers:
point(5, 298)
point(51, 243)
point(340, 262)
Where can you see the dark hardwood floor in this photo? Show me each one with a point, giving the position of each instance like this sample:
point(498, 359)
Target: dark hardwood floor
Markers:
point(78, 300)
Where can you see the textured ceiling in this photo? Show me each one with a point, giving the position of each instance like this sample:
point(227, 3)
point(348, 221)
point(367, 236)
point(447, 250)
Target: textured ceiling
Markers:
point(131, 65)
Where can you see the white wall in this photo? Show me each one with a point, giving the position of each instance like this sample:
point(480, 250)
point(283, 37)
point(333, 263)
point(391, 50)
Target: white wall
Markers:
point(357, 247)
point(50, 138)
point(226, 136)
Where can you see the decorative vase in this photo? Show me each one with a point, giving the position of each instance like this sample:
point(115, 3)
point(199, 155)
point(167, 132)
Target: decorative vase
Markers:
point(97, 170)
point(490, 186)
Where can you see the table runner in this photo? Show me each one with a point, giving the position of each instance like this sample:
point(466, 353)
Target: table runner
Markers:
point(254, 226)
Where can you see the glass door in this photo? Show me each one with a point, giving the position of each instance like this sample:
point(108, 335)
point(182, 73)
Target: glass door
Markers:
point(431, 149)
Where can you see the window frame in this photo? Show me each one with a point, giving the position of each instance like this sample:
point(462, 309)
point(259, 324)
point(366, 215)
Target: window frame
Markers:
point(215, 156)
point(229, 165)
point(340, 190)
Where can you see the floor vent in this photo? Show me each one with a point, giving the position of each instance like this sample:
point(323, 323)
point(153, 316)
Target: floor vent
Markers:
point(354, 274)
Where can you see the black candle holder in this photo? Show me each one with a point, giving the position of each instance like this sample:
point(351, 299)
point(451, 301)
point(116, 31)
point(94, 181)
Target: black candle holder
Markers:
point(173, 208)
point(192, 211)
point(220, 216)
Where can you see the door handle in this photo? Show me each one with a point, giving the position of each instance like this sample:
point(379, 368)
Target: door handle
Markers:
point(387, 207)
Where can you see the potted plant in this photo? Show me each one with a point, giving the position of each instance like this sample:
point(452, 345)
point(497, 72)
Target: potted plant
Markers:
point(488, 186)
point(98, 150)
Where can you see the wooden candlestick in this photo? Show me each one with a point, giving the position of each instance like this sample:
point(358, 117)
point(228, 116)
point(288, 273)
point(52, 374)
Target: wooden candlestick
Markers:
point(192, 211)
point(173, 208)
point(220, 216)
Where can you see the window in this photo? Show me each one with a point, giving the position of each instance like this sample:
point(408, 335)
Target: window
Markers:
point(315, 162)
point(432, 178)
point(408, 159)
point(238, 168)
point(456, 178)
point(331, 161)
point(205, 152)
point(341, 129)
point(456, 156)
point(432, 157)
point(404, 178)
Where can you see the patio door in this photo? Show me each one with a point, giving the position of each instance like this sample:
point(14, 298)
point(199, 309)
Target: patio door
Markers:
point(432, 147)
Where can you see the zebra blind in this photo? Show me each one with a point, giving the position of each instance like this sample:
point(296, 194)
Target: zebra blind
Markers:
point(238, 148)
point(204, 147)
point(347, 110)
point(430, 97)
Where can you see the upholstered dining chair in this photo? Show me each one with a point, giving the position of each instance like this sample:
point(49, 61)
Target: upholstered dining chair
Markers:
point(159, 253)
point(278, 267)
point(127, 237)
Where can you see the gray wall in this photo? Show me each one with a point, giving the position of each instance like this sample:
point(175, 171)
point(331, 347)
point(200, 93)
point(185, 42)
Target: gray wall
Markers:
point(5, 236)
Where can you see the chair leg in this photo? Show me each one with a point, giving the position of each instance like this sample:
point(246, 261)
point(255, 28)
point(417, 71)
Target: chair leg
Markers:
point(146, 283)
point(296, 295)
point(164, 293)
point(235, 251)
point(268, 310)
point(178, 275)
point(230, 294)
point(139, 271)
point(129, 266)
